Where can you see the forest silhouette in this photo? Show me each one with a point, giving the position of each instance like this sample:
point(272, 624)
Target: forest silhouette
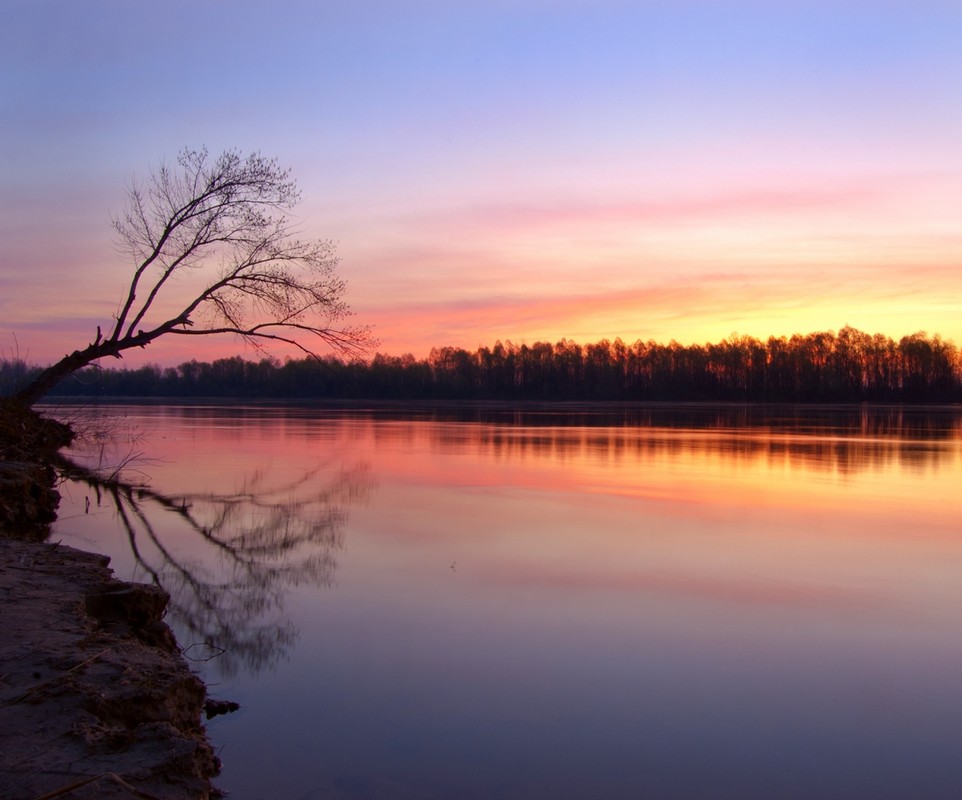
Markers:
point(847, 366)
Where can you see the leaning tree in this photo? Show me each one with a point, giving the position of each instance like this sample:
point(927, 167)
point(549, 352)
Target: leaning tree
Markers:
point(227, 221)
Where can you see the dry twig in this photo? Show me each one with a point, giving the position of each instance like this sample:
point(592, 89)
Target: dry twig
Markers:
point(79, 784)
point(44, 684)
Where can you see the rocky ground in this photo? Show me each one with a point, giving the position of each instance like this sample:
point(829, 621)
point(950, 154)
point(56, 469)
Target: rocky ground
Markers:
point(96, 699)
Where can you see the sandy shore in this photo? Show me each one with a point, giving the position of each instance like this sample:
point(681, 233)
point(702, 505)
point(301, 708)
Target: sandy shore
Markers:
point(96, 699)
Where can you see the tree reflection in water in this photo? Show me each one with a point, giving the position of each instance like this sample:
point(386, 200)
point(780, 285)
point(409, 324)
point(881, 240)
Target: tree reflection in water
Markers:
point(249, 547)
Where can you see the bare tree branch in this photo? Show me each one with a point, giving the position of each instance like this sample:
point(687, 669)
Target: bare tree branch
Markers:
point(227, 216)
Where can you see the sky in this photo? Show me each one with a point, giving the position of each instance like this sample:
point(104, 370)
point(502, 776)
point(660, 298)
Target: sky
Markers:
point(517, 170)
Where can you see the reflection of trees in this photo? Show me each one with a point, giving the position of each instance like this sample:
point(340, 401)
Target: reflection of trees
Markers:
point(821, 452)
point(254, 543)
point(844, 439)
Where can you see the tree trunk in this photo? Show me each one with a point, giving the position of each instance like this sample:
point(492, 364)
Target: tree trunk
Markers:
point(52, 375)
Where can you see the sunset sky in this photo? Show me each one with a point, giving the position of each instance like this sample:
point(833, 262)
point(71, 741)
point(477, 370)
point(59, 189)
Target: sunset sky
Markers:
point(508, 169)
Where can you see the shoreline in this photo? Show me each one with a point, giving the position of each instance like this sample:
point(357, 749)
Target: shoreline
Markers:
point(95, 692)
point(97, 699)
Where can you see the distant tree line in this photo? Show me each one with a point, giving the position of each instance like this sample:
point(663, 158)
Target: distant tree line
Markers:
point(848, 366)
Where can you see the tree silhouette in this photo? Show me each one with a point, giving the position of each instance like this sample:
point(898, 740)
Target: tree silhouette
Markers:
point(226, 218)
point(850, 366)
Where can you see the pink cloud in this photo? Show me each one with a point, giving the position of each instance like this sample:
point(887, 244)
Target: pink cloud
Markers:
point(672, 211)
point(667, 202)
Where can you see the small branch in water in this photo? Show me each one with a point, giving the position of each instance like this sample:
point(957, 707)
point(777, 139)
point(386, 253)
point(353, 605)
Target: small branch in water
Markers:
point(214, 708)
point(218, 654)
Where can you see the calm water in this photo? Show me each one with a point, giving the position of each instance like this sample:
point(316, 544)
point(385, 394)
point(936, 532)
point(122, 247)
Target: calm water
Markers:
point(616, 603)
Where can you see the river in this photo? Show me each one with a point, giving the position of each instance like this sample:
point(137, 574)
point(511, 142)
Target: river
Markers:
point(552, 602)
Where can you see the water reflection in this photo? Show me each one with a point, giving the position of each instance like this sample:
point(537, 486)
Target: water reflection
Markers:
point(844, 440)
point(832, 452)
point(250, 547)
point(847, 436)
point(692, 602)
point(875, 421)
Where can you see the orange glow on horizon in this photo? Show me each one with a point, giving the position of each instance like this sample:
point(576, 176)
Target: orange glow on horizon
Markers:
point(756, 261)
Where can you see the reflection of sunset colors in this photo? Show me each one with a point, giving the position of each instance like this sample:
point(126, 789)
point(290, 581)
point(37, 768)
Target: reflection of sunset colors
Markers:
point(517, 171)
point(837, 484)
point(730, 597)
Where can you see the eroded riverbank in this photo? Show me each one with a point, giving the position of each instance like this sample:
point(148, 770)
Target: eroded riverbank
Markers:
point(97, 699)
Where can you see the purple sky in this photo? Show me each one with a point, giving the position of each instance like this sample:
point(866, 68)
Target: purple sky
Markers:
point(509, 170)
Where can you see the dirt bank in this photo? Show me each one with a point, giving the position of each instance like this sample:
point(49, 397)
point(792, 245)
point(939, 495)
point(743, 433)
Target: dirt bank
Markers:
point(28, 493)
point(96, 700)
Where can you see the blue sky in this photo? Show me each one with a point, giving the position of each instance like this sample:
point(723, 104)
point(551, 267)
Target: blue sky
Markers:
point(522, 170)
